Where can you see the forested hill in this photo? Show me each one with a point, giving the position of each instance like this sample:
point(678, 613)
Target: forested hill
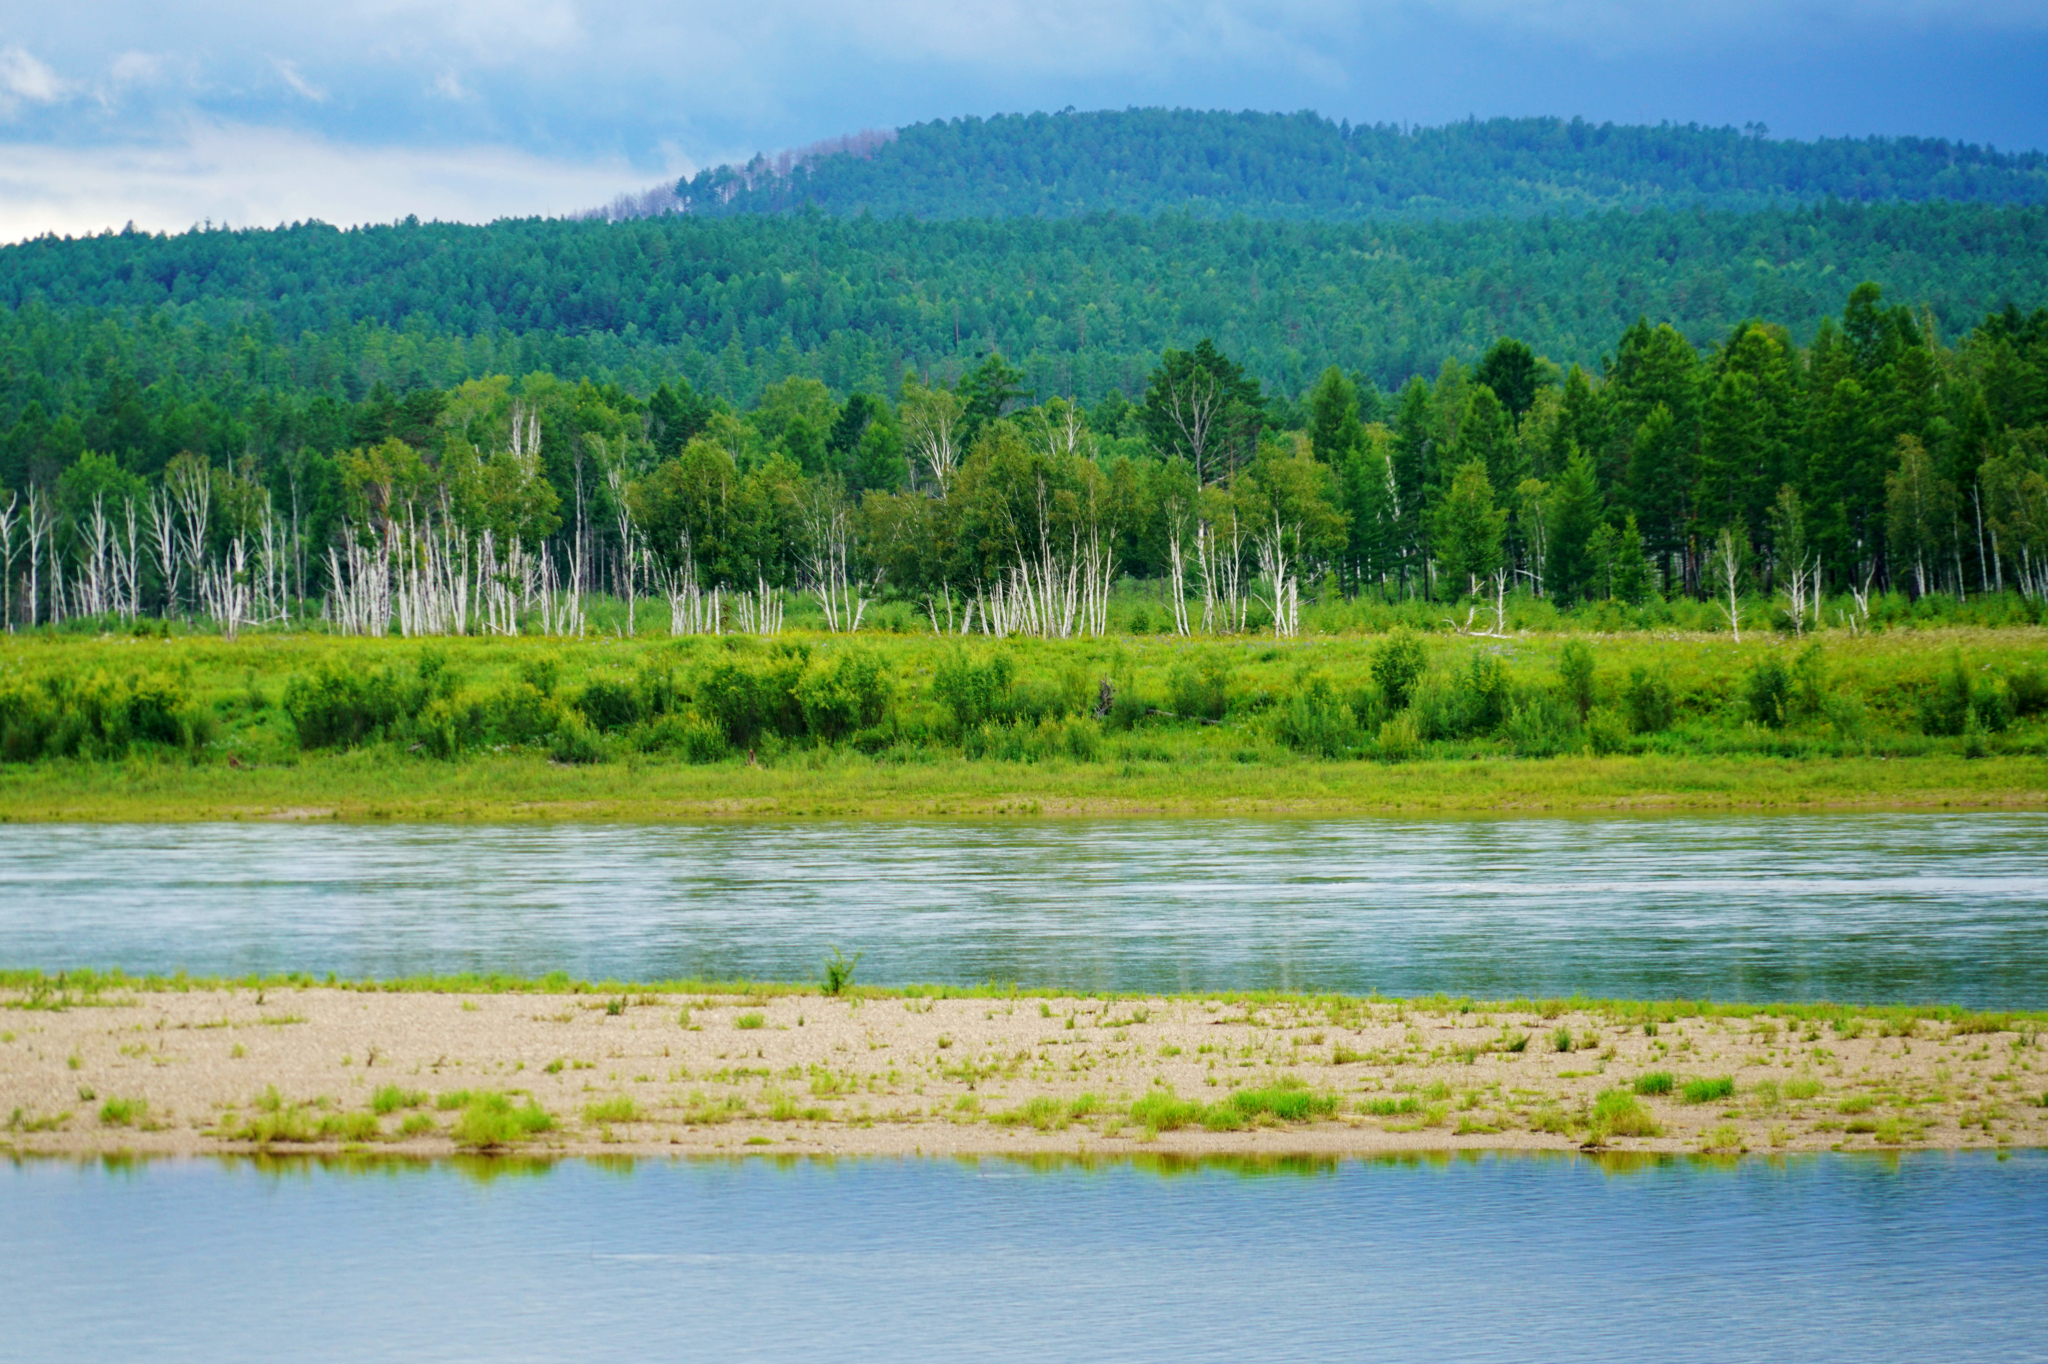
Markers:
point(1303, 166)
point(1083, 305)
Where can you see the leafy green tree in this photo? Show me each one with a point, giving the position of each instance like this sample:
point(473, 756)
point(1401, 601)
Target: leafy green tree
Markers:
point(1514, 374)
point(1466, 532)
point(1574, 515)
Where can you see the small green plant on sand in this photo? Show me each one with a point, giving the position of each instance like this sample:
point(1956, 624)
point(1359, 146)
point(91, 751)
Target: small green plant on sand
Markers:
point(749, 1022)
point(391, 1098)
point(490, 1120)
point(839, 969)
point(1703, 1091)
point(1617, 1114)
point(1655, 1082)
point(618, 1108)
point(123, 1112)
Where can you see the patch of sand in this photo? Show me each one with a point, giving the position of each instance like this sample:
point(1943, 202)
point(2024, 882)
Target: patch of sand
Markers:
point(186, 1072)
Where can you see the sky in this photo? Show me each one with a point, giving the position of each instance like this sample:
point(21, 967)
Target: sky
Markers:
point(169, 113)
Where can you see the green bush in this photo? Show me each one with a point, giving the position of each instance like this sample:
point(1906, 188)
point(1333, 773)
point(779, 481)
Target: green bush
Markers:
point(1315, 721)
point(1647, 701)
point(1655, 1082)
point(574, 741)
point(1539, 724)
point(611, 705)
point(1575, 671)
point(519, 713)
point(1397, 665)
point(1607, 731)
point(1199, 688)
point(1398, 741)
point(974, 691)
point(843, 693)
point(1768, 692)
point(339, 707)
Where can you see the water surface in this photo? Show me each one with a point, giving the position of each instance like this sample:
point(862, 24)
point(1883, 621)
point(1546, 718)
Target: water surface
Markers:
point(1895, 908)
point(1496, 1258)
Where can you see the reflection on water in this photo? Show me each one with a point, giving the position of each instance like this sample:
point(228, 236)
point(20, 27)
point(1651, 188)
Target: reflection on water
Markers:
point(1880, 908)
point(1452, 1257)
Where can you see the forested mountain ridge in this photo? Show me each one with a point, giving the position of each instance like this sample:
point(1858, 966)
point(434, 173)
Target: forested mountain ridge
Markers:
point(1304, 166)
point(1082, 305)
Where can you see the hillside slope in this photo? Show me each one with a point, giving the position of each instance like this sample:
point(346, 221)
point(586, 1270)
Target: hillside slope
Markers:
point(1303, 166)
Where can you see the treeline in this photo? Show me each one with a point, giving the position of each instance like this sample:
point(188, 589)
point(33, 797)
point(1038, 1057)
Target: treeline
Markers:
point(1875, 458)
point(1303, 166)
point(1082, 306)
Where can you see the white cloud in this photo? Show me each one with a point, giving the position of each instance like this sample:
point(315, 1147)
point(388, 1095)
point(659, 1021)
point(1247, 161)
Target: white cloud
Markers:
point(448, 85)
point(289, 73)
point(24, 80)
point(251, 177)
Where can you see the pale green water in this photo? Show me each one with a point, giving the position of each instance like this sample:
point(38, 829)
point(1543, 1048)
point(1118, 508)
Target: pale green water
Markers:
point(1870, 908)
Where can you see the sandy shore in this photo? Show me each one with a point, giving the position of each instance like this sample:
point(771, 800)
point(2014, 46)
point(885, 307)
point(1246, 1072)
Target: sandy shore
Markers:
point(302, 1069)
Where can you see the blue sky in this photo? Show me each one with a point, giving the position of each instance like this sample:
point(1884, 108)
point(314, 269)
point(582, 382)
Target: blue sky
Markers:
point(170, 113)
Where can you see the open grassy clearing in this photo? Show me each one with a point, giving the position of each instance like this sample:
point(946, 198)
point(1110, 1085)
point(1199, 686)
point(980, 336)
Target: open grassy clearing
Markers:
point(182, 728)
point(94, 1064)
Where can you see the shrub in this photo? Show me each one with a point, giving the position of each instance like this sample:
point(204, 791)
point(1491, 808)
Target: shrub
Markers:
point(2026, 692)
point(847, 692)
point(1607, 731)
point(1199, 688)
point(610, 705)
point(1315, 721)
point(747, 698)
point(341, 708)
point(1398, 741)
point(575, 742)
point(974, 690)
point(1397, 665)
point(1575, 671)
point(1955, 701)
point(1487, 693)
point(519, 713)
point(1539, 725)
point(1647, 701)
point(690, 734)
point(1768, 692)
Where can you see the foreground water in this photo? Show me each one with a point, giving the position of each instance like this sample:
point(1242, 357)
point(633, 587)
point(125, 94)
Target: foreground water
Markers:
point(1924, 1257)
point(1895, 908)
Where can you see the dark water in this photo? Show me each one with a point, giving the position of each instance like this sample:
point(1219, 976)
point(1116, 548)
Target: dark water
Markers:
point(1911, 908)
point(1497, 1258)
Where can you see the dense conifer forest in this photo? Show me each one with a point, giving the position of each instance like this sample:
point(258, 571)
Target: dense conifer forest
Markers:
point(1304, 166)
point(995, 421)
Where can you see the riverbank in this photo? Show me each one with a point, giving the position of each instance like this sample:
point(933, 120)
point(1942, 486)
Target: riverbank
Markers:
point(505, 788)
point(172, 1068)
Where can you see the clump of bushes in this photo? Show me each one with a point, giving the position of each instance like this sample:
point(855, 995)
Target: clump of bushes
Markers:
point(97, 715)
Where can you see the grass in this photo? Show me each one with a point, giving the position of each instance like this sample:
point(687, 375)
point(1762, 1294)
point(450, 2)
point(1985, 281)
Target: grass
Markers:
point(1703, 1091)
point(1654, 1082)
point(488, 1121)
point(619, 1108)
point(1617, 1114)
point(391, 1098)
point(1708, 759)
point(123, 1112)
point(749, 1022)
point(1288, 1100)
